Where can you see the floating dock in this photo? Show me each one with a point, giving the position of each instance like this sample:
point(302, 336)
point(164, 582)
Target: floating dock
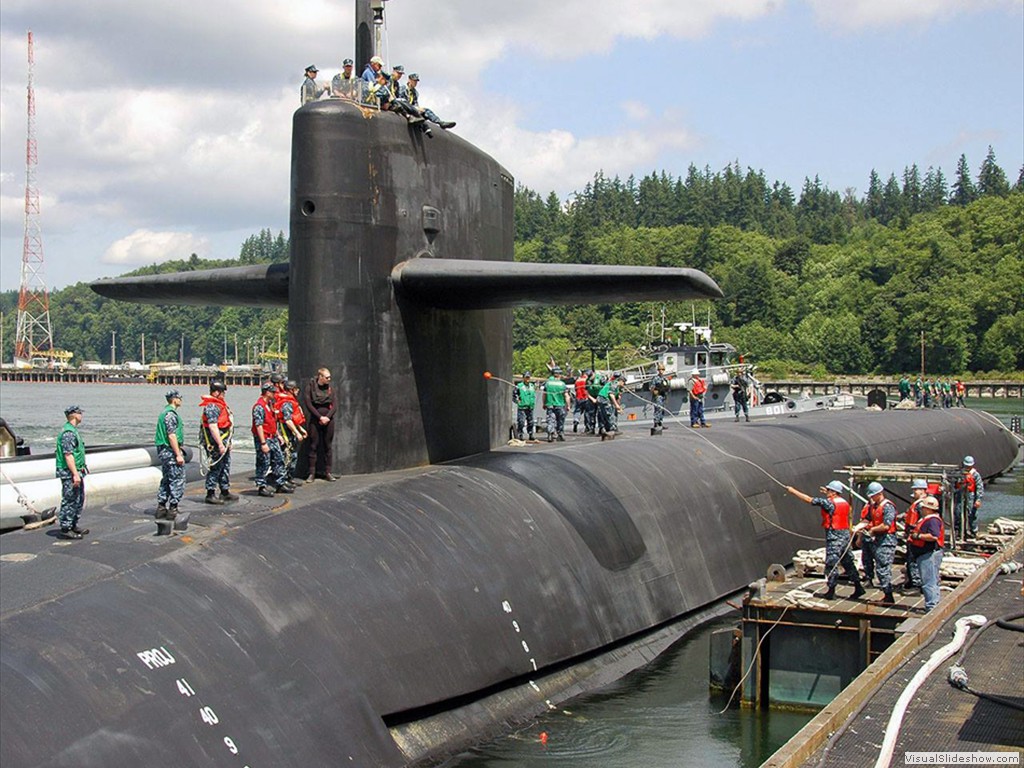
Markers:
point(864, 655)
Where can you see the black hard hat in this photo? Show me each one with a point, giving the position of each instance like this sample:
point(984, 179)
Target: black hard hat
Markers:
point(171, 394)
point(72, 409)
point(277, 378)
point(218, 386)
point(267, 386)
point(290, 384)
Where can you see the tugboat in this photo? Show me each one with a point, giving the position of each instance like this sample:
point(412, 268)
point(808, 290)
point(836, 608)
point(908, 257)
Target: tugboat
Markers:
point(718, 364)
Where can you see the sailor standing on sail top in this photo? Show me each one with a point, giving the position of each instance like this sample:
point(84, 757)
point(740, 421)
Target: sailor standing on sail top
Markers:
point(71, 471)
point(835, 519)
point(696, 386)
point(311, 90)
point(345, 84)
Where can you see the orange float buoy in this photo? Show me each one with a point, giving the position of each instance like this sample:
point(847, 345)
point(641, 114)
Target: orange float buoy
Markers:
point(544, 738)
point(487, 374)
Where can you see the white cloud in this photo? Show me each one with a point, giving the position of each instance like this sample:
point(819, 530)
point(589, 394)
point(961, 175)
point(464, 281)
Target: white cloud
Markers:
point(859, 14)
point(145, 247)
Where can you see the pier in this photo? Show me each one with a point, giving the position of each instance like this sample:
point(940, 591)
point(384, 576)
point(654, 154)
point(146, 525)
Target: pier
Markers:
point(169, 377)
point(854, 659)
point(984, 389)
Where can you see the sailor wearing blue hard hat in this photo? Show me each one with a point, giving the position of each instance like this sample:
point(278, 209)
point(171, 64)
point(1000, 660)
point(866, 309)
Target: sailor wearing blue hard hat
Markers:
point(878, 546)
point(835, 519)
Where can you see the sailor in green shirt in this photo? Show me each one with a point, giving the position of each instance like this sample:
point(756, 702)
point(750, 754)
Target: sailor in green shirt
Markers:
point(525, 396)
point(556, 402)
point(170, 444)
point(71, 470)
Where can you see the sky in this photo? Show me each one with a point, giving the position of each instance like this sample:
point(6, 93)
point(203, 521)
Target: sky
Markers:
point(163, 128)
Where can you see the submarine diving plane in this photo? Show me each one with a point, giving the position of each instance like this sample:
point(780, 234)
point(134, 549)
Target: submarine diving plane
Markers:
point(448, 584)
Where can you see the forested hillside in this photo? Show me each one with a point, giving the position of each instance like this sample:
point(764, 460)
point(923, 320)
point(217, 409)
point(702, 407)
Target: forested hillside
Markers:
point(821, 282)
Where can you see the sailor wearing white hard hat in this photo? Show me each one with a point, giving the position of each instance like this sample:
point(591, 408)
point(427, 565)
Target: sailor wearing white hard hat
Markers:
point(696, 387)
point(912, 575)
point(927, 540)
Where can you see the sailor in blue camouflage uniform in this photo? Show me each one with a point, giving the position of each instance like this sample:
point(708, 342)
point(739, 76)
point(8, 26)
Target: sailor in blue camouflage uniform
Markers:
point(878, 523)
point(345, 84)
point(659, 386)
point(269, 458)
point(412, 95)
point(71, 471)
point(969, 490)
point(835, 519)
point(217, 428)
point(311, 90)
point(170, 444)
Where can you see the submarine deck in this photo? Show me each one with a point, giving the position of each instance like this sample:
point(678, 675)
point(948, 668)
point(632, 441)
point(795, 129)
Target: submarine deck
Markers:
point(123, 534)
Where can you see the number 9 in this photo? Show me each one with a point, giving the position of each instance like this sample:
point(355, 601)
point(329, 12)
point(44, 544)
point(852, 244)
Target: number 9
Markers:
point(230, 745)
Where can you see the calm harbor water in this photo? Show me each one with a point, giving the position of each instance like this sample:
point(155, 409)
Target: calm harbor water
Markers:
point(661, 716)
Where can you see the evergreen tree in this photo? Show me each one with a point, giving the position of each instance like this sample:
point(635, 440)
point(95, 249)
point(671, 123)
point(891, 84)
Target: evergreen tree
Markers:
point(991, 178)
point(912, 193)
point(892, 201)
point(964, 191)
point(874, 197)
point(935, 191)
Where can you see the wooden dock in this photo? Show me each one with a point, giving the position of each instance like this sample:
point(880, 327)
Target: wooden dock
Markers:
point(866, 700)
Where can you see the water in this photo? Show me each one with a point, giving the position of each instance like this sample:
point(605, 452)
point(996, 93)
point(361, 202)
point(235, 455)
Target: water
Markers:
point(114, 414)
point(661, 716)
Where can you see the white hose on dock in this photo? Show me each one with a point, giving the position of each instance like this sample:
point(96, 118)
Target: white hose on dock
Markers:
point(892, 730)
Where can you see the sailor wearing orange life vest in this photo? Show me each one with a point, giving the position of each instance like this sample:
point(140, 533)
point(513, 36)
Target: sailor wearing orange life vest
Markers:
point(269, 459)
point(927, 539)
point(217, 426)
point(968, 492)
point(919, 490)
point(291, 420)
point(696, 386)
point(835, 519)
point(878, 523)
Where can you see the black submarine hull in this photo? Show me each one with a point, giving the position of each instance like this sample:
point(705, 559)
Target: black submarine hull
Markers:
point(311, 636)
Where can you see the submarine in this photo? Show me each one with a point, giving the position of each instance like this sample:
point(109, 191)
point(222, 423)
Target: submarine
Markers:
point(448, 584)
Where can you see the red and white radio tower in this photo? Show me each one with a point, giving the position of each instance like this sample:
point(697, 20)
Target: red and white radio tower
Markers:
point(34, 335)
